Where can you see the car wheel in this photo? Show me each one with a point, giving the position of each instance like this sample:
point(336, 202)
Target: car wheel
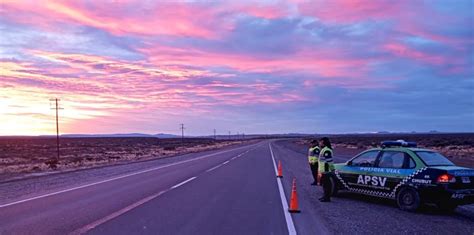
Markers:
point(408, 199)
point(447, 206)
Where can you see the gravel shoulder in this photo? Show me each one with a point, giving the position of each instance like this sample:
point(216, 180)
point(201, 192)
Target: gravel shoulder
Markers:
point(352, 213)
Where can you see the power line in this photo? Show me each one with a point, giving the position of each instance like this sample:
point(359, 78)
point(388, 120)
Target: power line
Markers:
point(182, 132)
point(57, 108)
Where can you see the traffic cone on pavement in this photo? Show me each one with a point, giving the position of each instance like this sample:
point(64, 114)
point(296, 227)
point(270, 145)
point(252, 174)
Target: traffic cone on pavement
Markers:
point(280, 172)
point(294, 199)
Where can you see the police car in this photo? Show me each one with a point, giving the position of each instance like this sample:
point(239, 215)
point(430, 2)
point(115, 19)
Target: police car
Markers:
point(412, 176)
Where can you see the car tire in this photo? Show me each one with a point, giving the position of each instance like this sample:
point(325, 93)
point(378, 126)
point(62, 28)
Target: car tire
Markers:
point(447, 206)
point(408, 199)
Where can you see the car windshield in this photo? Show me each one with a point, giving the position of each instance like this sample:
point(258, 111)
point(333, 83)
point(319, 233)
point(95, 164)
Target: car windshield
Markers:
point(434, 158)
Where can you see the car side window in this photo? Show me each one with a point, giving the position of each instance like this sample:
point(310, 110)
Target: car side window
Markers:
point(411, 163)
point(366, 159)
point(392, 159)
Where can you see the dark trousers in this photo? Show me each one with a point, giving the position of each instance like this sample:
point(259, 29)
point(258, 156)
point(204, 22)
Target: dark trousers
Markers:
point(314, 171)
point(327, 187)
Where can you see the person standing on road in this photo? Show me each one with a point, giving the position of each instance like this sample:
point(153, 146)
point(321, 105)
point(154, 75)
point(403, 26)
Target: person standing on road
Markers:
point(313, 154)
point(326, 167)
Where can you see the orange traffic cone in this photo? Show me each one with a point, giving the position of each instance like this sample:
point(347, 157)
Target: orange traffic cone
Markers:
point(280, 172)
point(294, 199)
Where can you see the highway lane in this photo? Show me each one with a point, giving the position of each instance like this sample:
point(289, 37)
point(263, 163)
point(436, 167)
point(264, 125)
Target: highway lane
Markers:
point(86, 207)
point(240, 197)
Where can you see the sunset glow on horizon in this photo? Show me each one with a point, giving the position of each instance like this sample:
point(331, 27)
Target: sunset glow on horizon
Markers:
point(334, 66)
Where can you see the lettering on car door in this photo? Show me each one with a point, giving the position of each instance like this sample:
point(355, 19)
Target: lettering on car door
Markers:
point(354, 175)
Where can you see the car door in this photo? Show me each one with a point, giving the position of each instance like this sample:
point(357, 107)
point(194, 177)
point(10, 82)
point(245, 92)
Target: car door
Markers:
point(393, 166)
point(360, 166)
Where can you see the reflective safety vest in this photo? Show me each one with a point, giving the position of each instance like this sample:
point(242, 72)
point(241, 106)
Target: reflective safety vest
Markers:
point(325, 160)
point(313, 154)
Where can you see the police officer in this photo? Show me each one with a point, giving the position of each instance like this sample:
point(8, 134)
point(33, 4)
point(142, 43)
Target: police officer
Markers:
point(313, 154)
point(326, 167)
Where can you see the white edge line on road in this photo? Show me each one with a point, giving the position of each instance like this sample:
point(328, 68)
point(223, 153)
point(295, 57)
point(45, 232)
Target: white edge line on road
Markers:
point(289, 221)
point(117, 213)
point(118, 177)
point(225, 162)
point(186, 181)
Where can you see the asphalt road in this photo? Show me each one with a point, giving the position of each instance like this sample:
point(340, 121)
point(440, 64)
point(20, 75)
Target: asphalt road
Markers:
point(228, 191)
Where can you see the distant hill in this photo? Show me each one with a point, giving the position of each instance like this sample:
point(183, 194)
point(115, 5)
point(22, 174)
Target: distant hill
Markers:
point(165, 136)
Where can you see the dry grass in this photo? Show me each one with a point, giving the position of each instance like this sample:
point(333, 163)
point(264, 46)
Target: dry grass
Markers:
point(31, 155)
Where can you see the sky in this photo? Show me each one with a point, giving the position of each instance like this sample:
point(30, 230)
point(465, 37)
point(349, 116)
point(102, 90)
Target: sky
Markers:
point(339, 66)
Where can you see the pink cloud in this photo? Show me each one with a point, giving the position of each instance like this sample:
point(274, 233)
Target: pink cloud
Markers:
point(135, 60)
point(403, 14)
point(168, 18)
point(401, 50)
point(304, 61)
point(121, 85)
point(141, 18)
point(259, 9)
point(350, 11)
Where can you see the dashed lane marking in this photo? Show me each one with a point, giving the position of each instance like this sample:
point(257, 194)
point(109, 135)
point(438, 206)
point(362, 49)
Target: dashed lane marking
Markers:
point(240, 155)
point(96, 223)
point(184, 182)
point(117, 213)
point(214, 168)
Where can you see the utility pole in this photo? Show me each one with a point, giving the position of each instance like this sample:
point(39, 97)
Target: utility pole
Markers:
point(57, 108)
point(182, 132)
point(229, 135)
point(215, 136)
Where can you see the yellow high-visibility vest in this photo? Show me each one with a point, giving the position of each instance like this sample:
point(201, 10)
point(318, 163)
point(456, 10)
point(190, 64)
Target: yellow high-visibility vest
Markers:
point(323, 161)
point(313, 155)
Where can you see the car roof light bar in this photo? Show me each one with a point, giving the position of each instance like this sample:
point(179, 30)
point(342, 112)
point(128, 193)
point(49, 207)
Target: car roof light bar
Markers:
point(397, 143)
